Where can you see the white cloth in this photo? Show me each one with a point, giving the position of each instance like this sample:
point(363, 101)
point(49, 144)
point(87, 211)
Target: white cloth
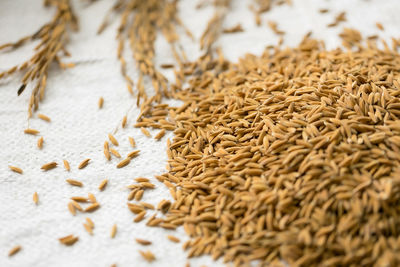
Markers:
point(78, 129)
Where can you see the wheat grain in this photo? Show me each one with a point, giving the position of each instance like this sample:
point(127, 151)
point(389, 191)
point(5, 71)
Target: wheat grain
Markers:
point(124, 163)
point(103, 185)
point(92, 207)
point(15, 169)
point(31, 131)
point(40, 143)
point(123, 123)
point(83, 164)
point(133, 154)
point(49, 166)
point(92, 198)
point(113, 140)
point(143, 242)
point(115, 153)
point(74, 182)
point(147, 255)
point(140, 216)
point(107, 151)
point(35, 198)
point(288, 156)
point(44, 117)
point(80, 199)
point(66, 165)
point(145, 132)
point(76, 205)
point(160, 134)
point(113, 231)
point(100, 102)
point(71, 208)
point(88, 228)
point(132, 141)
point(380, 26)
point(68, 240)
point(173, 238)
point(14, 251)
point(53, 38)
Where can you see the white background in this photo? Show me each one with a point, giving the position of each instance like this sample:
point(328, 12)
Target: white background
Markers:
point(78, 129)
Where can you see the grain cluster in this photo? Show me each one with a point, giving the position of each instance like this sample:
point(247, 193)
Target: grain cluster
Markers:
point(290, 156)
point(52, 38)
point(140, 22)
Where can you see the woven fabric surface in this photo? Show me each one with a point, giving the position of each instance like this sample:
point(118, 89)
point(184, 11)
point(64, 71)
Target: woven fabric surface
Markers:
point(78, 129)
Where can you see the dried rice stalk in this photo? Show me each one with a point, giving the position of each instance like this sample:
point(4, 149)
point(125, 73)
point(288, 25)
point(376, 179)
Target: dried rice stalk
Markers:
point(140, 23)
point(214, 26)
point(53, 37)
point(261, 6)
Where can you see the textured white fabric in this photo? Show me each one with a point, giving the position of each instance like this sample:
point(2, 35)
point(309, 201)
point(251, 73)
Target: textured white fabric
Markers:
point(78, 129)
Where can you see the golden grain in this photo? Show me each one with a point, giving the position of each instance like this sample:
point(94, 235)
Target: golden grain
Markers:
point(123, 123)
point(140, 216)
point(160, 134)
point(145, 132)
point(15, 169)
point(40, 143)
point(14, 251)
point(83, 164)
point(143, 242)
point(92, 198)
point(101, 102)
point(132, 141)
point(113, 231)
point(66, 165)
point(88, 228)
point(133, 154)
point(115, 153)
point(35, 198)
point(68, 240)
point(113, 140)
point(44, 117)
point(80, 199)
point(272, 158)
point(74, 182)
point(52, 38)
point(173, 238)
point(71, 208)
point(147, 255)
point(103, 184)
point(49, 166)
point(92, 207)
point(124, 163)
point(380, 26)
point(31, 131)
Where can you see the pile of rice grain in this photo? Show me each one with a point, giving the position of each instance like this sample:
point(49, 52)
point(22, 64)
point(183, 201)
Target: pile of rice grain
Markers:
point(290, 156)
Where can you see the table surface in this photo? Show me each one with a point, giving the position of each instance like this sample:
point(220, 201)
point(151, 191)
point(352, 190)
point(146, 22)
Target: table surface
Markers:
point(78, 129)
